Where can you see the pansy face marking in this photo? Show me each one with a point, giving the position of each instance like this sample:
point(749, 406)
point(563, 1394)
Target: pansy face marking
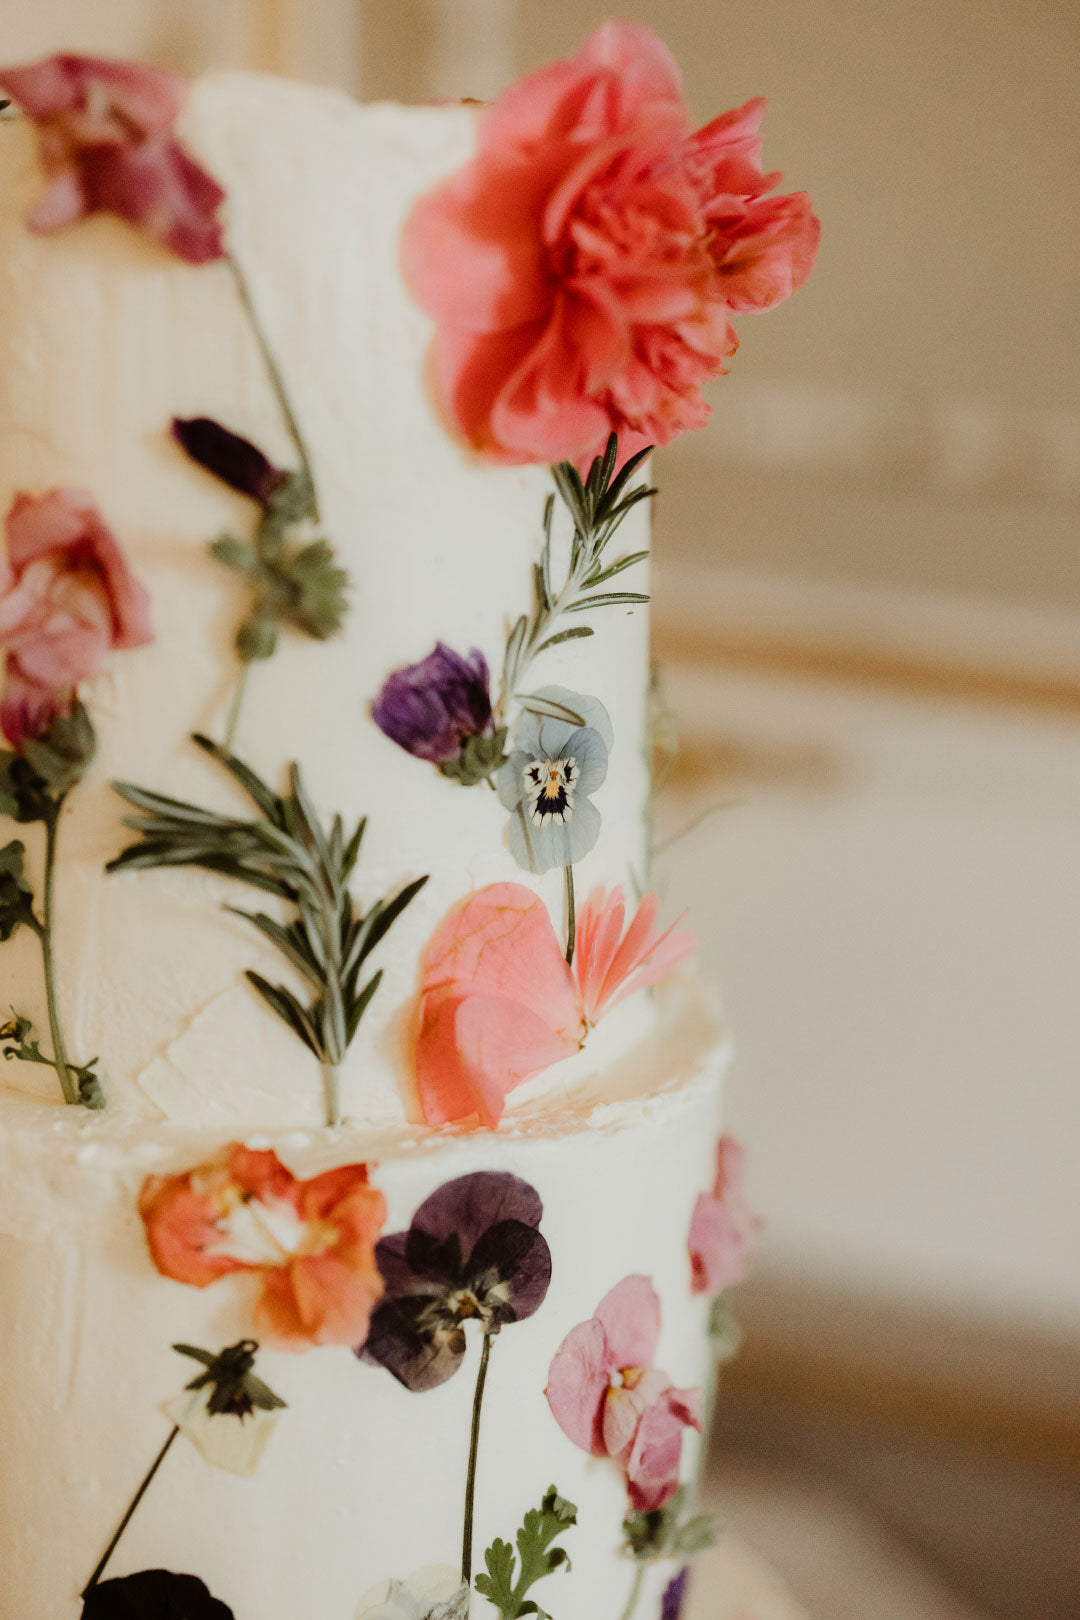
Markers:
point(549, 789)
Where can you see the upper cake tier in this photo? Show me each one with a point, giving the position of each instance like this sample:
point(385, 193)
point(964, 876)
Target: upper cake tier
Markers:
point(104, 338)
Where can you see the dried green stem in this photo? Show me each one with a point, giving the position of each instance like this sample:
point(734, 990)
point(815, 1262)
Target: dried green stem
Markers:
point(571, 915)
point(236, 704)
point(635, 1591)
point(67, 1080)
point(126, 1520)
point(474, 1446)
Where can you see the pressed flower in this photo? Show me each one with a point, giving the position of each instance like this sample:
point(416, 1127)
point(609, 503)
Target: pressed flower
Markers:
point(435, 1592)
point(67, 597)
point(582, 266)
point(610, 1400)
point(498, 1003)
point(553, 767)
point(436, 708)
point(674, 1595)
point(312, 1241)
point(153, 1594)
point(226, 1412)
point(610, 965)
point(105, 132)
point(473, 1253)
point(235, 460)
point(723, 1226)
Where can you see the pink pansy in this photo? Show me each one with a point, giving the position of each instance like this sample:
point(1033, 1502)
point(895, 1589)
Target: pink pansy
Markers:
point(608, 965)
point(106, 142)
point(723, 1226)
point(582, 266)
point(498, 1003)
point(67, 597)
point(607, 1396)
point(313, 1241)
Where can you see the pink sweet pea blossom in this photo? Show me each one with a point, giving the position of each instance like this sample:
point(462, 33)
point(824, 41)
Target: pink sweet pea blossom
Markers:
point(106, 143)
point(607, 1396)
point(66, 598)
point(312, 1241)
point(723, 1225)
point(582, 266)
point(498, 1003)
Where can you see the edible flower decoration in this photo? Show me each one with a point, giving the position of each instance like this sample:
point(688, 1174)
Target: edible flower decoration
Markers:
point(67, 599)
point(674, 1595)
point(474, 1252)
point(227, 1412)
point(311, 1242)
point(499, 1003)
point(105, 132)
point(556, 762)
point(435, 1592)
point(581, 268)
point(610, 1400)
point(723, 1226)
point(440, 710)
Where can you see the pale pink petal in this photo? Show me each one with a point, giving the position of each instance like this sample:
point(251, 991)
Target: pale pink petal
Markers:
point(61, 203)
point(472, 1050)
point(665, 954)
point(634, 946)
point(578, 1384)
point(630, 1316)
point(604, 924)
point(652, 1469)
point(623, 1409)
point(730, 1165)
point(685, 1404)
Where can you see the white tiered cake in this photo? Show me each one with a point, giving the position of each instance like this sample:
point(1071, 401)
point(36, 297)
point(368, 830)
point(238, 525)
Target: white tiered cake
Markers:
point(108, 1217)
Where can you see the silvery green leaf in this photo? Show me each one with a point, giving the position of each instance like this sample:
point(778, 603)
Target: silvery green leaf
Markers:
point(535, 704)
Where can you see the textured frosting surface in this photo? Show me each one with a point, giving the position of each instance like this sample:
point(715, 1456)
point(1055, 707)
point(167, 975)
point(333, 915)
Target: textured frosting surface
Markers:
point(103, 338)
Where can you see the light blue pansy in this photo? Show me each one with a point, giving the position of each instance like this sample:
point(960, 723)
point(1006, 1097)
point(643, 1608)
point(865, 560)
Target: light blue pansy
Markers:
point(554, 766)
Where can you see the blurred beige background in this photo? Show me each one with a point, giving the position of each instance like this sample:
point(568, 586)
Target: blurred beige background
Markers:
point(868, 610)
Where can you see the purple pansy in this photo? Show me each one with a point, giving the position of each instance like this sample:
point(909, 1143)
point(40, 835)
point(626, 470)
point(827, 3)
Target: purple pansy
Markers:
point(153, 1594)
point(474, 1251)
point(671, 1604)
point(236, 461)
point(440, 710)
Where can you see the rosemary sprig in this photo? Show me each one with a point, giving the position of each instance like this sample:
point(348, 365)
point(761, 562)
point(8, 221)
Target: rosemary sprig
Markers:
point(285, 852)
point(597, 505)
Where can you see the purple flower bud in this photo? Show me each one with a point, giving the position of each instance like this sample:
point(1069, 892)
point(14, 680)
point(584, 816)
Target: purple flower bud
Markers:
point(236, 461)
point(432, 708)
point(671, 1603)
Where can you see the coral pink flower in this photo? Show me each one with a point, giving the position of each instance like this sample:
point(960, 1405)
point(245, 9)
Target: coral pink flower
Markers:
point(723, 1225)
point(313, 1241)
point(498, 1003)
point(582, 266)
point(608, 965)
point(607, 1396)
point(66, 597)
point(106, 142)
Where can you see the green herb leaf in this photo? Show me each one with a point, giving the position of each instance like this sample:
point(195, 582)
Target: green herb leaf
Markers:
point(669, 1531)
point(536, 1558)
point(607, 599)
point(548, 708)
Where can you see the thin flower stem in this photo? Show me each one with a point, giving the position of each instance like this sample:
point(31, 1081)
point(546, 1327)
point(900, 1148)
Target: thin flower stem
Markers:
point(236, 705)
point(571, 915)
point(332, 1093)
point(60, 1058)
point(635, 1591)
point(126, 1520)
point(474, 1444)
point(273, 372)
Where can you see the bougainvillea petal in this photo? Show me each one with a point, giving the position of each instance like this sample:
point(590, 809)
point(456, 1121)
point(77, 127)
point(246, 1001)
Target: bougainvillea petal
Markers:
point(500, 941)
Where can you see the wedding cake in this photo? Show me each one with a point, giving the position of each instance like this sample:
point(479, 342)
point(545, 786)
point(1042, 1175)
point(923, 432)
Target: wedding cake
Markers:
point(345, 1050)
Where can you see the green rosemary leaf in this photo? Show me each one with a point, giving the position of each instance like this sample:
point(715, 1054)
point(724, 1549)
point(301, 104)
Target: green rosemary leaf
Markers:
point(576, 632)
point(391, 910)
point(253, 785)
point(543, 601)
point(607, 599)
point(616, 568)
point(626, 472)
point(287, 1007)
point(352, 850)
point(547, 708)
point(358, 1006)
point(290, 943)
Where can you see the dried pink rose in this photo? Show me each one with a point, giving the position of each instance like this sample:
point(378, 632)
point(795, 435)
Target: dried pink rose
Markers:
point(723, 1226)
point(66, 597)
point(106, 141)
point(582, 267)
point(610, 1400)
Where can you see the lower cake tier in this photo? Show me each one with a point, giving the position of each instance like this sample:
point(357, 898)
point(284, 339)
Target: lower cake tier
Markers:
point(515, 1238)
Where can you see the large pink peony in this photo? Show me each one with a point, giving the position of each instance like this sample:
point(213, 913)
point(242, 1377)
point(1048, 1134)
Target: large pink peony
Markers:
point(66, 597)
point(582, 267)
point(107, 146)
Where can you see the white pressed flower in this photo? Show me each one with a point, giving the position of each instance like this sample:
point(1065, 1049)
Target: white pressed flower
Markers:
point(228, 1440)
point(435, 1592)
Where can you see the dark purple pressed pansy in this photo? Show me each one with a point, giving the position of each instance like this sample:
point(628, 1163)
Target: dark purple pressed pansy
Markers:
point(432, 708)
point(153, 1594)
point(671, 1604)
point(236, 461)
point(473, 1251)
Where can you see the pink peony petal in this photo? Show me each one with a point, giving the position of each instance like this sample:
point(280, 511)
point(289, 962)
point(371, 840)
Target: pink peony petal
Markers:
point(578, 1381)
point(630, 1316)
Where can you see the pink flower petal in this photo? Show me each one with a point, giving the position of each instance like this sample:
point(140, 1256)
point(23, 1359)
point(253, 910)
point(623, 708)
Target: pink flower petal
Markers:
point(578, 1384)
point(652, 1470)
point(630, 1316)
point(472, 1051)
point(500, 940)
